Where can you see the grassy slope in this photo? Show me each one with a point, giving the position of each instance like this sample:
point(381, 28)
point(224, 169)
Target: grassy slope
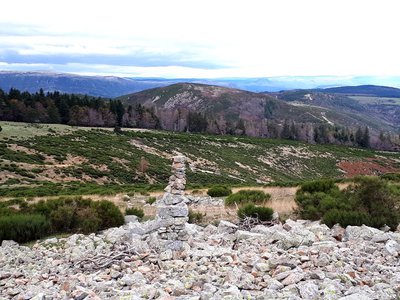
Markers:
point(42, 159)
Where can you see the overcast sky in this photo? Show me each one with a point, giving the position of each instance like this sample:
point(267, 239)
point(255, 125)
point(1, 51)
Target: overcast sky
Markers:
point(204, 38)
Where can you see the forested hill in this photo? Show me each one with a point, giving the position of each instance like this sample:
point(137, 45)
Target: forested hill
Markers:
point(71, 109)
point(197, 108)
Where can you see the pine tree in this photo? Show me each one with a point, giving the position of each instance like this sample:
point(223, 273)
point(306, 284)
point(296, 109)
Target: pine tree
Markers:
point(365, 139)
point(359, 136)
point(286, 131)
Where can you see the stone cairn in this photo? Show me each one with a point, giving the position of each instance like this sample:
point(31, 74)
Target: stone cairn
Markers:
point(172, 211)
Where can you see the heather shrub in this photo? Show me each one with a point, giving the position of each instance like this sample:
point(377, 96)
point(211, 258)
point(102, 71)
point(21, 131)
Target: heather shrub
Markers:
point(247, 196)
point(195, 217)
point(369, 200)
point(109, 214)
point(151, 200)
point(87, 220)
point(322, 185)
point(345, 218)
point(135, 211)
point(23, 227)
point(260, 212)
point(219, 191)
point(62, 219)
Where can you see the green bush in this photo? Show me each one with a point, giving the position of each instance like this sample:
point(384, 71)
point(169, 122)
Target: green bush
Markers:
point(195, 217)
point(65, 214)
point(23, 227)
point(345, 218)
point(369, 200)
point(323, 185)
point(87, 220)
point(151, 200)
point(63, 218)
point(247, 196)
point(391, 176)
point(219, 191)
point(109, 214)
point(375, 196)
point(260, 212)
point(135, 211)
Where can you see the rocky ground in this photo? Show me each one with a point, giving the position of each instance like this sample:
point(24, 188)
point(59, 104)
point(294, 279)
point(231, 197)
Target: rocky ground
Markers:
point(296, 260)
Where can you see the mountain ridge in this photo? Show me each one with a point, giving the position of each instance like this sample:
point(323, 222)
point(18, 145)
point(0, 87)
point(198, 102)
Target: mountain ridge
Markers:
point(114, 86)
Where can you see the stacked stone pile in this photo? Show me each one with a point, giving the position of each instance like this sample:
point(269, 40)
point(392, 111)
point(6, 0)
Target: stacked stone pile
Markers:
point(172, 213)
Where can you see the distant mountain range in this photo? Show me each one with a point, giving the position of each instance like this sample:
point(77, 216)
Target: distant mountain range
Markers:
point(365, 90)
point(319, 115)
point(110, 86)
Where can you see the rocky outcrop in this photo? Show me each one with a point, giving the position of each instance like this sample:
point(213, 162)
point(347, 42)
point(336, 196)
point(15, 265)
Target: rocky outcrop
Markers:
point(297, 260)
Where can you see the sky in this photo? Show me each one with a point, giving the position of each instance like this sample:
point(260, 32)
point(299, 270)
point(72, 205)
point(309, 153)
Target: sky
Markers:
point(202, 39)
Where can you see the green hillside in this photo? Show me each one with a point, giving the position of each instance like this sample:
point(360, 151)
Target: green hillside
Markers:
point(48, 159)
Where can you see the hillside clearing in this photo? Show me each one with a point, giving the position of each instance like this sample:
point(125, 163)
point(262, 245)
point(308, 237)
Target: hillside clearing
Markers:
point(57, 160)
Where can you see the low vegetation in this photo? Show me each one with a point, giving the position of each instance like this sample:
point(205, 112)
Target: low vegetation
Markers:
point(219, 191)
point(253, 211)
point(23, 227)
point(369, 200)
point(56, 160)
point(195, 217)
point(151, 200)
point(61, 215)
point(247, 196)
point(138, 212)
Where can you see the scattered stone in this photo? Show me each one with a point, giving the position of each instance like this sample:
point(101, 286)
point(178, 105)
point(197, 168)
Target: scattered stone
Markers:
point(131, 219)
point(227, 227)
point(392, 247)
point(301, 260)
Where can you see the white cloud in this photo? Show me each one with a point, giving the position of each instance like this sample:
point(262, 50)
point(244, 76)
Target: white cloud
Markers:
point(246, 38)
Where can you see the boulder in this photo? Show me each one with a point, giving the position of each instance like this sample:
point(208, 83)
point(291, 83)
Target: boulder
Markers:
point(361, 232)
point(227, 227)
point(131, 219)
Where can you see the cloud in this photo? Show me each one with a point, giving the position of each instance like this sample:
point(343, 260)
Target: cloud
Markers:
point(136, 59)
point(212, 38)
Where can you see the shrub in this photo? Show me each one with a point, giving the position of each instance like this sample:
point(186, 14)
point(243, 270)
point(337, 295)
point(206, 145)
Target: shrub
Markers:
point(345, 218)
point(323, 185)
point(247, 196)
point(151, 200)
point(63, 218)
point(23, 227)
point(391, 176)
point(109, 214)
point(376, 197)
point(219, 191)
point(87, 220)
point(135, 211)
point(260, 212)
point(369, 200)
point(195, 217)
point(63, 212)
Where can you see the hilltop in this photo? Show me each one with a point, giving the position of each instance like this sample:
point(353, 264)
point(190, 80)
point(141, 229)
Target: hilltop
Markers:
point(376, 106)
point(365, 90)
point(291, 114)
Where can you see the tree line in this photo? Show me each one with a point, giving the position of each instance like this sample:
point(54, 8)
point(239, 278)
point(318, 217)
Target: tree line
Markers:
point(71, 109)
point(83, 110)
